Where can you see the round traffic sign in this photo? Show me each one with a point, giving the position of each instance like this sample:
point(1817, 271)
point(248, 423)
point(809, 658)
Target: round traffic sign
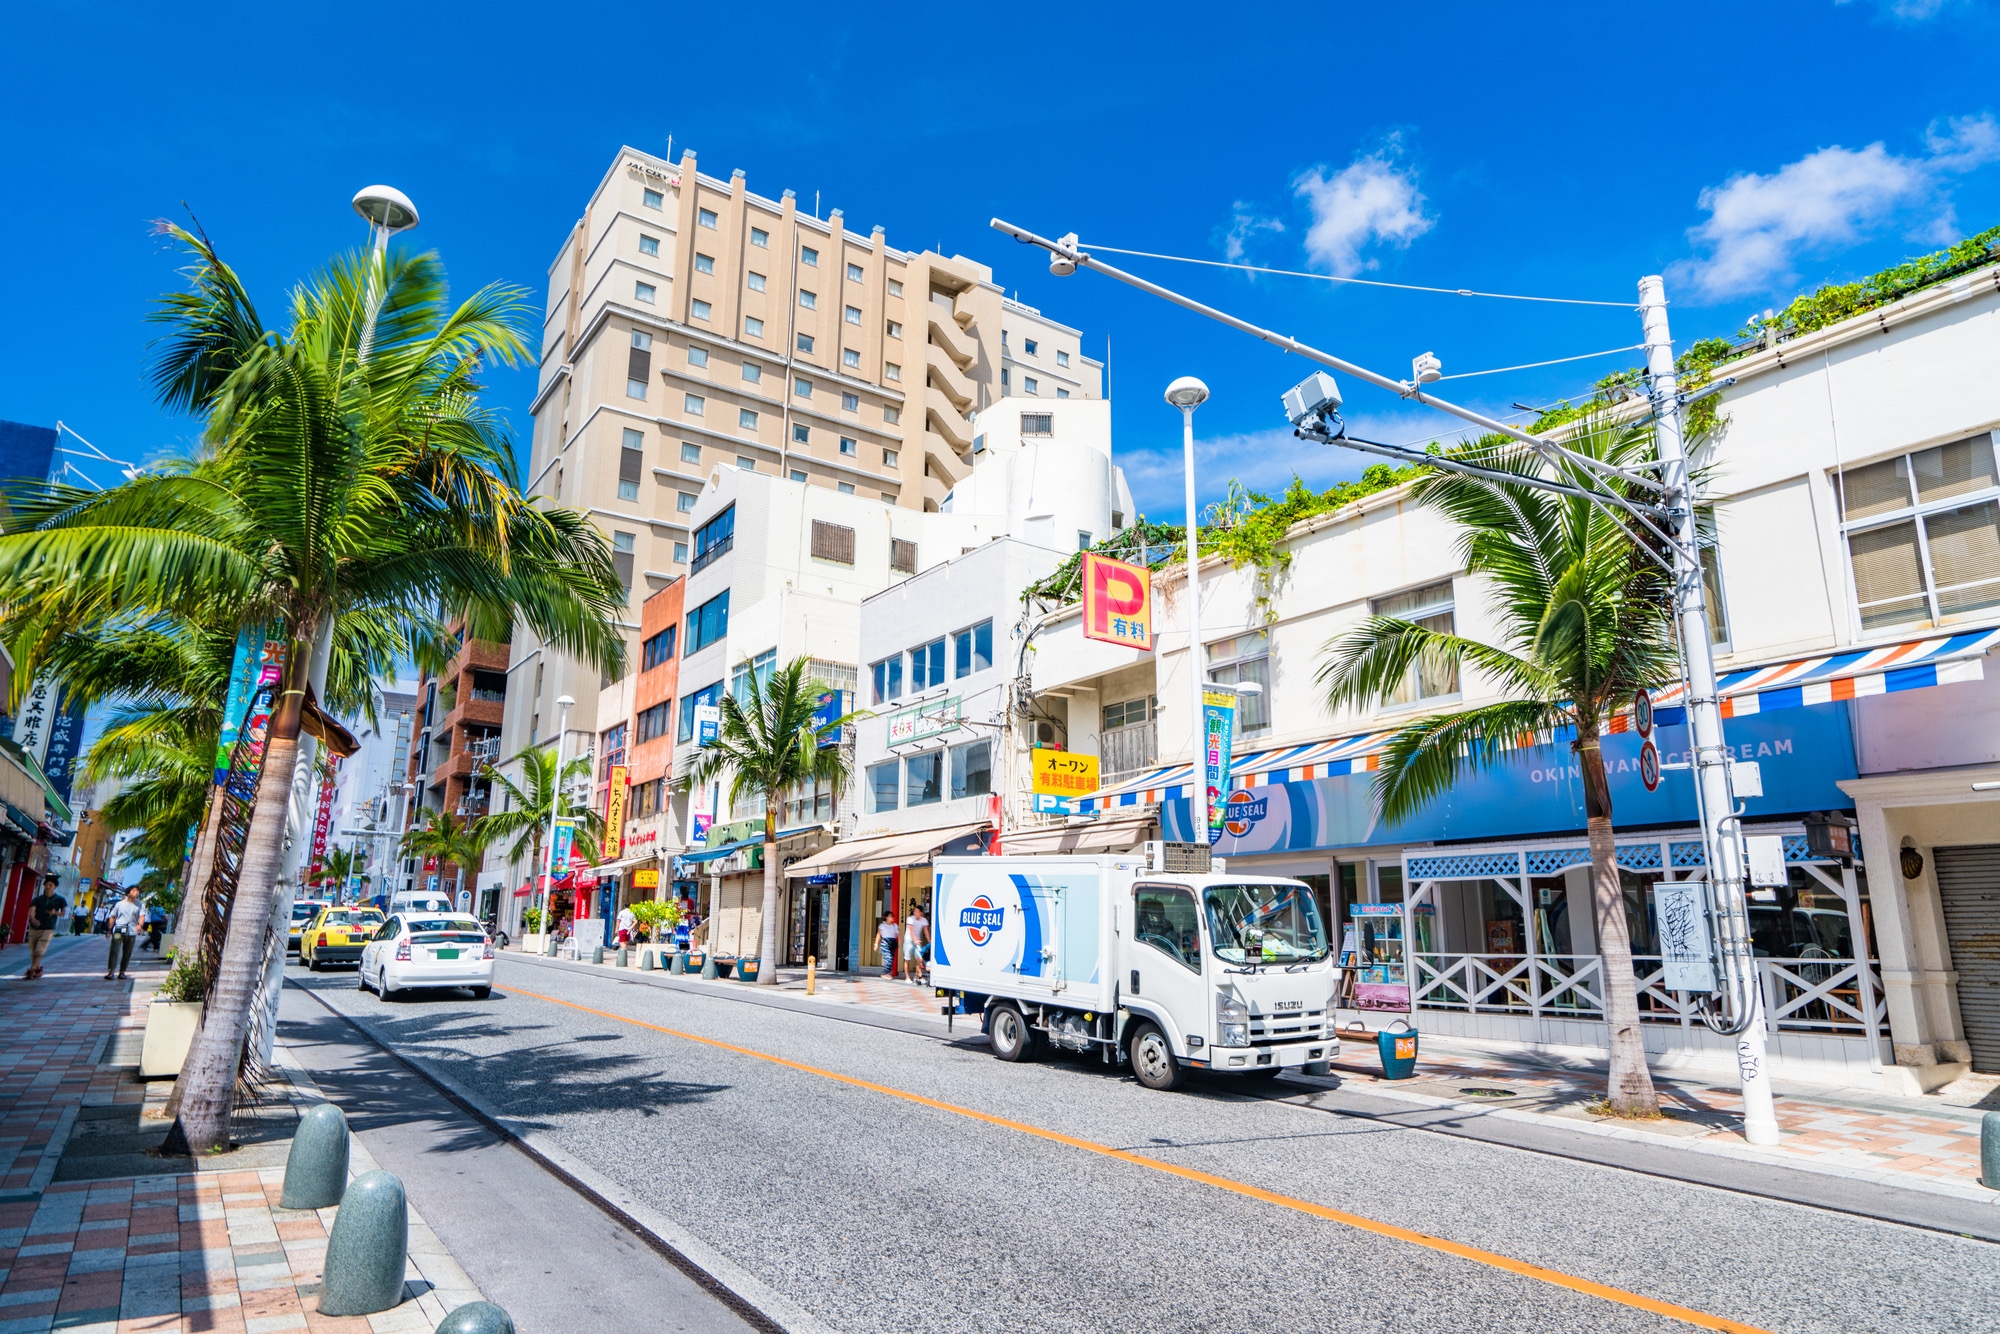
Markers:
point(1642, 713)
point(1649, 766)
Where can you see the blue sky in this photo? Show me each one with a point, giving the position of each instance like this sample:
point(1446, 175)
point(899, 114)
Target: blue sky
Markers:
point(1514, 149)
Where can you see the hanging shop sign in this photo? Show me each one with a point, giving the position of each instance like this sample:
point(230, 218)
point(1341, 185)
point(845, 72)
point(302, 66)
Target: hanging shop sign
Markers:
point(707, 724)
point(256, 664)
point(323, 817)
point(64, 742)
point(1064, 773)
point(646, 879)
point(564, 843)
point(1218, 716)
point(1117, 602)
point(614, 814)
point(924, 721)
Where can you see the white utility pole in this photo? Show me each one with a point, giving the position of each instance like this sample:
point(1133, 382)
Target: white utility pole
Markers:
point(1187, 394)
point(1720, 831)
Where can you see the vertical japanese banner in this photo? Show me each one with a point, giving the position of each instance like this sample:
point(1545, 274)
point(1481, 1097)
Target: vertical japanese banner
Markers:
point(565, 840)
point(614, 815)
point(323, 819)
point(1117, 602)
point(65, 738)
point(255, 665)
point(31, 728)
point(1218, 718)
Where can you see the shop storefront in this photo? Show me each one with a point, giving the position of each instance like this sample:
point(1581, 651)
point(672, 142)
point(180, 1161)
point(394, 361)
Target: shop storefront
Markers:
point(884, 878)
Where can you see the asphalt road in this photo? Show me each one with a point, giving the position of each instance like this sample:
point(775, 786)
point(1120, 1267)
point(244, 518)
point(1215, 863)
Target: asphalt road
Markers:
point(872, 1211)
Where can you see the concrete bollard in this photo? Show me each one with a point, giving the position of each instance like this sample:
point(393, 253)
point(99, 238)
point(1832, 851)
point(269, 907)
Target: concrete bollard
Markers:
point(1989, 1150)
point(680, 964)
point(621, 956)
point(708, 965)
point(597, 954)
point(646, 961)
point(477, 1318)
point(316, 1167)
point(368, 1248)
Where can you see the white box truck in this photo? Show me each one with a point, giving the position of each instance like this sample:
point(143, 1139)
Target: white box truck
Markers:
point(1171, 972)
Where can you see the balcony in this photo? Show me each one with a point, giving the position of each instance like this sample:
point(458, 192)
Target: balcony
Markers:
point(713, 554)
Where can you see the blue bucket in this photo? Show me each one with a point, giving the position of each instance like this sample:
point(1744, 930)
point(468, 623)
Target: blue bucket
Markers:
point(1398, 1051)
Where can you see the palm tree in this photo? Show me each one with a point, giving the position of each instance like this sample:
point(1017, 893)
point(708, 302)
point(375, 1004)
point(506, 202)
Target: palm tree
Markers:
point(1585, 615)
point(330, 483)
point(770, 743)
point(544, 792)
point(440, 834)
point(338, 866)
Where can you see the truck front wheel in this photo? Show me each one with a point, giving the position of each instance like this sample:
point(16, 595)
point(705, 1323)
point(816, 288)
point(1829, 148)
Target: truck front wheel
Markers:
point(1153, 1058)
point(1012, 1039)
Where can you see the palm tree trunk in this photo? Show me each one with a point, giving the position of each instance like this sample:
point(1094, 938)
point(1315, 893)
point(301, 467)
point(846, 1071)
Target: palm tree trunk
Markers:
point(767, 960)
point(1631, 1088)
point(217, 1054)
point(194, 895)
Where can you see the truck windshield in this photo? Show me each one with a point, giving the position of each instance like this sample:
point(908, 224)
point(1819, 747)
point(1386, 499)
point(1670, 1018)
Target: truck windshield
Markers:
point(1273, 924)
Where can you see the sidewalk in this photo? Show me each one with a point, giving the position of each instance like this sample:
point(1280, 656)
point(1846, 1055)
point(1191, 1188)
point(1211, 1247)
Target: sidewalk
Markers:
point(202, 1246)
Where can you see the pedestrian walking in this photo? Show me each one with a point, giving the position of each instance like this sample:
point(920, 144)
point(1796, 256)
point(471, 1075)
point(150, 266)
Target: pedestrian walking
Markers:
point(100, 918)
point(628, 922)
point(125, 919)
point(885, 943)
point(44, 912)
point(916, 944)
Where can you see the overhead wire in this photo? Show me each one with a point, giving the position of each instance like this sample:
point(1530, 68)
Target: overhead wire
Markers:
point(1553, 361)
point(1357, 282)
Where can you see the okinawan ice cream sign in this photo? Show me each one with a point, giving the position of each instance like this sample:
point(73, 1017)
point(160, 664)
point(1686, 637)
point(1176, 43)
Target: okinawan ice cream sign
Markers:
point(1117, 602)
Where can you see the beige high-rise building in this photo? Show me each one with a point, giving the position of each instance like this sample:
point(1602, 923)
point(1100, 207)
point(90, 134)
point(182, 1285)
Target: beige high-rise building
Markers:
point(693, 325)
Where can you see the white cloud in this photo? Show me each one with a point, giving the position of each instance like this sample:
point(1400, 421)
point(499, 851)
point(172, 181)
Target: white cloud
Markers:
point(1907, 11)
point(1372, 200)
point(1243, 228)
point(1832, 197)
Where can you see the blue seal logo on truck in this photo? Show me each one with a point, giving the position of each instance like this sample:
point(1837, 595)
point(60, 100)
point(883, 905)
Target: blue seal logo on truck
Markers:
point(981, 921)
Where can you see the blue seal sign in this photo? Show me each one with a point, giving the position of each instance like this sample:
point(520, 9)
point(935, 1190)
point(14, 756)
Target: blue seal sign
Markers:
point(981, 920)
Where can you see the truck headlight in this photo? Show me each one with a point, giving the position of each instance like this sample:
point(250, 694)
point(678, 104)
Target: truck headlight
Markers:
point(1232, 1021)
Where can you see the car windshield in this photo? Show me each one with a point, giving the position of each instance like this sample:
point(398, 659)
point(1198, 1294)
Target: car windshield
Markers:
point(302, 912)
point(336, 918)
point(1265, 924)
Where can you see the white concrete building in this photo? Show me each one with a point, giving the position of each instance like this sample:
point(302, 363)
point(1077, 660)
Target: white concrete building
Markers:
point(368, 801)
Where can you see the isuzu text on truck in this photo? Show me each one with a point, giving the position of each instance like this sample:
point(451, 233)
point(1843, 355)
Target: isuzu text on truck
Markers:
point(1168, 971)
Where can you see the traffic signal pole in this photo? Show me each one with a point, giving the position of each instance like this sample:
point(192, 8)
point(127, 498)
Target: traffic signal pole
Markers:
point(1721, 834)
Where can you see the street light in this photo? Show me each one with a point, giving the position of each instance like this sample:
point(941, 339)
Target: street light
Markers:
point(565, 704)
point(1187, 394)
point(388, 211)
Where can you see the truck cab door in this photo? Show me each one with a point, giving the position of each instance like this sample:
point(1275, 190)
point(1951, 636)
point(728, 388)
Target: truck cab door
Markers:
point(1165, 962)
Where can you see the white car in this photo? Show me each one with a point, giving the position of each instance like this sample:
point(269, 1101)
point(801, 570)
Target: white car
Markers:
point(415, 951)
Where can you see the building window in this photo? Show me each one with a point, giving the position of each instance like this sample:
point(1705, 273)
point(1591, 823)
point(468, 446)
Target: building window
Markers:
point(758, 669)
point(923, 779)
point(805, 342)
point(1028, 346)
point(752, 327)
point(852, 314)
point(1029, 385)
point(685, 502)
point(653, 722)
point(847, 446)
point(756, 281)
point(850, 359)
point(892, 372)
point(1005, 380)
point(1129, 713)
point(902, 556)
point(631, 464)
point(1431, 608)
point(690, 452)
point(694, 404)
point(888, 678)
point(1037, 423)
point(971, 770)
point(895, 329)
point(708, 623)
point(809, 257)
point(635, 389)
point(892, 415)
point(890, 458)
point(711, 694)
point(882, 785)
point(1083, 539)
point(746, 419)
point(1062, 358)
point(680, 553)
point(1238, 660)
point(760, 238)
point(746, 463)
point(797, 475)
point(972, 649)
point(895, 287)
point(850, 402)
point(888, 497)
point(704, 263)
point(705, 217)
point(801, 433)
point(657, 649)
point(624, 549)
point(642, 340)
point(808, 300)
point(803, 388)
point(752, 373)
point(700, 310)
point(712, 539)
point(697, 356)
point(845, 488)
point(1923, 534)
point(649, 245)
point(854, 273)
point(652, 199)
point(644, 292)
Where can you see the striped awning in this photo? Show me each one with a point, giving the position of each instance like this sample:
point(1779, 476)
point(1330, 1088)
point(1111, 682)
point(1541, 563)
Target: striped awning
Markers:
point(1284, 764)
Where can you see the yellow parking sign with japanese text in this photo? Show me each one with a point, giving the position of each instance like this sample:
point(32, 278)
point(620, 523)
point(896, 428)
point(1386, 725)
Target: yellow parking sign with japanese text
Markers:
point(1064, 773)
point(1117, 602)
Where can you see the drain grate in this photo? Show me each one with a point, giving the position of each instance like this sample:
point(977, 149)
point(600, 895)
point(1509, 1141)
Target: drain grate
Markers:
point(1487, 1093)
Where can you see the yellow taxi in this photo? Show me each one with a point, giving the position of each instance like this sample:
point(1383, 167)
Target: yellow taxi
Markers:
point(336, 935)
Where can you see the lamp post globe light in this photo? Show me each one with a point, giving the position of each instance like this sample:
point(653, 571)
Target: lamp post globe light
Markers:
point(1187, 394)
point(387, 210)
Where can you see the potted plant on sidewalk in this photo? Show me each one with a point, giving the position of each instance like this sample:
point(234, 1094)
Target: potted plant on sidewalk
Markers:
point(173, 1018)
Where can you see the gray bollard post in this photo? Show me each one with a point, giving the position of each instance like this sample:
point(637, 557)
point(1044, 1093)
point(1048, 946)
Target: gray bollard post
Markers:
point(368, 1248)
point(680, 964)
point(597, 954)
point(316, 1167)
point(708, 965)
point(621, 956)
point(646, 961)
point(477, 1318)
point(1989, 1150)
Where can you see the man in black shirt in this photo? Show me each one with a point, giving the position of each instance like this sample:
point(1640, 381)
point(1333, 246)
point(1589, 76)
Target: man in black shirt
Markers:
point(44, 911)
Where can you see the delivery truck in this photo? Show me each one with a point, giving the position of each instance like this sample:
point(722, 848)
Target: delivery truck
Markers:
point(1168, 972)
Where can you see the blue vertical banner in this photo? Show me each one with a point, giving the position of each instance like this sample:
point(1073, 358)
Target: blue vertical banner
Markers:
point(65, 741)
point(565, 840)
point(256, 664)
point(1218, 721)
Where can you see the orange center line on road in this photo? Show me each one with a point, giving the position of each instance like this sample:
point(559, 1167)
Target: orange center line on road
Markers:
point(1554, 1277)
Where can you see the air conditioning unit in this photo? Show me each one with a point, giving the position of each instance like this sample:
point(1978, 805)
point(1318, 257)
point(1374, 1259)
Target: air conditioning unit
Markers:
point(1179, 858)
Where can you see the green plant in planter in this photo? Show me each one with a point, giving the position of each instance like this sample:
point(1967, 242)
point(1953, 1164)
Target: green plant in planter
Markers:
point(184, 981)
point(531, 920)
point(657, 916)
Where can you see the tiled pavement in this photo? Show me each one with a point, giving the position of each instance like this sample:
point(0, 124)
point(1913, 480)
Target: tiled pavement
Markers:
point(173, 1254)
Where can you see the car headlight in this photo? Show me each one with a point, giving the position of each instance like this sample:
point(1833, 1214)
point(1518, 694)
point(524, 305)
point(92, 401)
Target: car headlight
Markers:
point(1232, 1020)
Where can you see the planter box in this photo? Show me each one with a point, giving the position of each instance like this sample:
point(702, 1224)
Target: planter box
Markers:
point(170, 1030)
point(532, 944)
